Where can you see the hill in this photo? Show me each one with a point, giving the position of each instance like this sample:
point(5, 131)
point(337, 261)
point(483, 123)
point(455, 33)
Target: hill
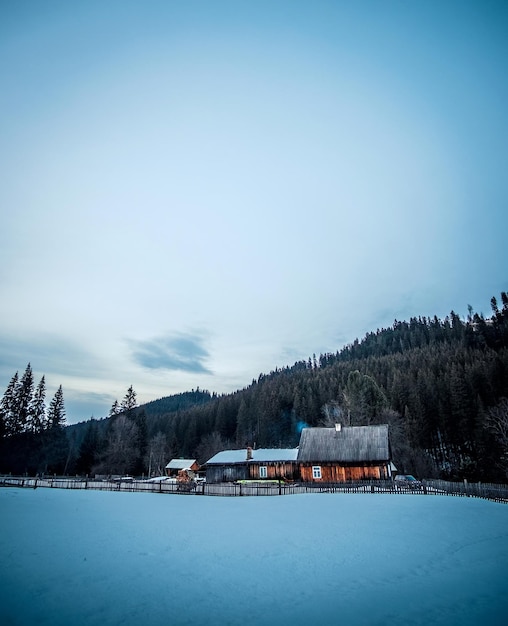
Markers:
point(440, 385)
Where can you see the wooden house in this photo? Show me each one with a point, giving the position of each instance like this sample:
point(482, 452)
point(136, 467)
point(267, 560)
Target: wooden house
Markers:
point(175, 465)
point(249, 464)
point(344, 453)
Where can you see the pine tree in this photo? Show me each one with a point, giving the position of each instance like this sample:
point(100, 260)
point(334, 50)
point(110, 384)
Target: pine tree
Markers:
point(37, 409)
point(8, 407)
point(504, 298)
point(89, 449)
point(56, 412)
point(24, 393)
point(245, 429)
point(129, 403)
point(115, 409)
point(142, 442)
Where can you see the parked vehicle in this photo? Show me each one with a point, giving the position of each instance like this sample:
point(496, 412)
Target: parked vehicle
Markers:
point(407, 481)
point(161, 479)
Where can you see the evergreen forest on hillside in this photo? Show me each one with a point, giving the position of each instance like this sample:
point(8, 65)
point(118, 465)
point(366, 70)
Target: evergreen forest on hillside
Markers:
point(441, 385)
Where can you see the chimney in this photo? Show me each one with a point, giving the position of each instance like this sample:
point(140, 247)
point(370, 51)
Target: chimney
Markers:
point(338, 428)
point(249, 454)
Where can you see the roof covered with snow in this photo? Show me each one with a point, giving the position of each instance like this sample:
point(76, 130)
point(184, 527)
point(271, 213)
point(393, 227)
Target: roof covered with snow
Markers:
point(180, 463)
point(348, 445)
point(261, 455)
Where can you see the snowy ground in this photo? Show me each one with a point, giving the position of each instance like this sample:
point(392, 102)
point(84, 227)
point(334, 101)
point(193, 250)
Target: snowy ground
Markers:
point(87, 557)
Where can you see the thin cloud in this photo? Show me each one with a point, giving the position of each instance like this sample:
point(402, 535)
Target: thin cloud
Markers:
point(86, 404)
point(48, 353)
point(183, 352)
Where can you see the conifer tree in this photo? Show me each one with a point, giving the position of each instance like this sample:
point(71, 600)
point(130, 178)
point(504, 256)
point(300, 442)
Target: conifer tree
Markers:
point(142, 442)
point(56, 412)
point(89, 449)
point(129, 403)
point(24, 394)
point(8, 407)
point(37, 409)
point(56, 444)
point(115, 409)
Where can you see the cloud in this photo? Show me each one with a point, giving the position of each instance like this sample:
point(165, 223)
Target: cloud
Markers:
point(47, 353)
point(184, 352)
point(83, 405)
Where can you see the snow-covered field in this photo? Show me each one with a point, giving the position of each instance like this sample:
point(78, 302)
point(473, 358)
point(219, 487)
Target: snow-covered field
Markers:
point(87, 557)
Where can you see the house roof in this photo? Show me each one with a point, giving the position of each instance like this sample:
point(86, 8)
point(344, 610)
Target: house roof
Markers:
point(347, 445)
point(261, 455)
point(180, 463)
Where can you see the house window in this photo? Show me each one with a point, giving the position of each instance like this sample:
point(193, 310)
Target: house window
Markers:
point(263, 471)
point(316, 471)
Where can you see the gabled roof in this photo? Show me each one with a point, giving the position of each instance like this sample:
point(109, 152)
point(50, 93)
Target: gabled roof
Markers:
point(180, 463)
point(348, 445)
point(262, 455)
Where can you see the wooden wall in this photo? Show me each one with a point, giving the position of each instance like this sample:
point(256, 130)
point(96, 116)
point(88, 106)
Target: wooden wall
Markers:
point(226, 473)
point(337, 473)
point(291, 471)
point(281, 469)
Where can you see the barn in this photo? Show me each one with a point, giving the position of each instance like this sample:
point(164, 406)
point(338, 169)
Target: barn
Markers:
point(344, 453)
point(249, 464)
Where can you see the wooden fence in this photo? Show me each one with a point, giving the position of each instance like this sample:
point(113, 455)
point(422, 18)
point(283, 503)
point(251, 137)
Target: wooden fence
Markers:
point(488, 491)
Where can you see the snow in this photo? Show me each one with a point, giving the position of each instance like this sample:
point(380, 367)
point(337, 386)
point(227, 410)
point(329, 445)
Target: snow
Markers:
point(259, 455)
point(91, 557)
point(180, 463)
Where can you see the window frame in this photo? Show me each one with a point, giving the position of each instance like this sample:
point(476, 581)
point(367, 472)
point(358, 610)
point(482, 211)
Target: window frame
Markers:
point(263, 471)
point(316, 472)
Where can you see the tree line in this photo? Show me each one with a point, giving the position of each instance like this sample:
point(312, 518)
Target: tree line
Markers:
point(23, 407)
point(29, 429)
point(441, 385)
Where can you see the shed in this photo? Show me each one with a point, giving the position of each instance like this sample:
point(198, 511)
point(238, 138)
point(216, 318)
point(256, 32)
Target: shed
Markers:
point(249, 464)
point(173, 467)
point(344, 453)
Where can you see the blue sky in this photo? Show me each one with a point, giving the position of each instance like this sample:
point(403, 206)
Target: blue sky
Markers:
point(197, 192)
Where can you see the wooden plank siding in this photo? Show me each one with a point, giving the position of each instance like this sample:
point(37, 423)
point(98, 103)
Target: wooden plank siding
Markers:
point(286, 470)
point(332, 473)
point(231, 465)
point(226, 473)
point(344, 453)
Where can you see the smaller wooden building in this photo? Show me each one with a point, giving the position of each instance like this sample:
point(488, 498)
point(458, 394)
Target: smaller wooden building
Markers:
point(175, 465)
point(344, 453)
point(249, 464)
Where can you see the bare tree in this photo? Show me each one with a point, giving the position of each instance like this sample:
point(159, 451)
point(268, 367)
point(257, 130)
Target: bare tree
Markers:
point(209, 446)
point(157, 455)
point(333, 413)
point(122, 451)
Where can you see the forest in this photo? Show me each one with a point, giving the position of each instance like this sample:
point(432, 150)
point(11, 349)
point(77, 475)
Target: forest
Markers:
point(440, 384)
